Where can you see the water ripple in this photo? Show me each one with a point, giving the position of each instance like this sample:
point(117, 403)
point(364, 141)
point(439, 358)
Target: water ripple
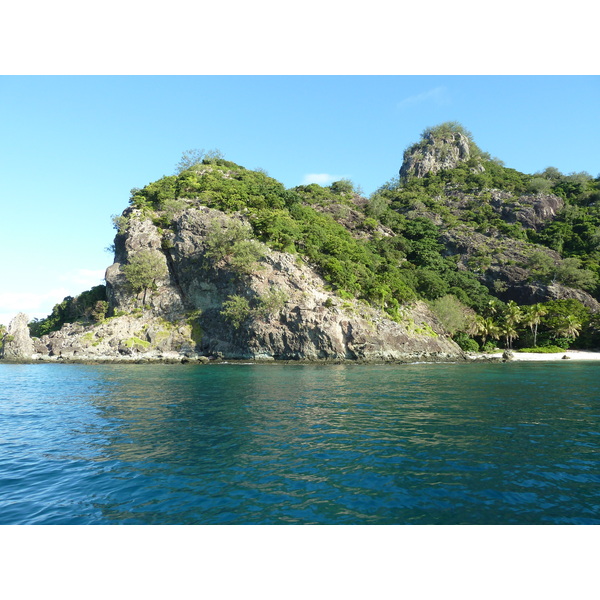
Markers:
point(233, 444)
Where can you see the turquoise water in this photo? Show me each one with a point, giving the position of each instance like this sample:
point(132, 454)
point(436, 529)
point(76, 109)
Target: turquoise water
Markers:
point(299, 444)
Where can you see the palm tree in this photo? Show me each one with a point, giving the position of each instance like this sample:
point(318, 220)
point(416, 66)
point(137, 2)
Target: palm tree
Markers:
point(532, 318)
point(509, 332)
point(491, 307)
point(569, 327)
point(512, 313)
point(486, 327)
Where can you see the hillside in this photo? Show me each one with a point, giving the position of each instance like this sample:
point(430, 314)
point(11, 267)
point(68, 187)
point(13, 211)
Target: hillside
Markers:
point(219, 261)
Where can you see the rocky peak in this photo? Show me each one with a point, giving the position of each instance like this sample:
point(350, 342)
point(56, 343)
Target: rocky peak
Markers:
point(17, 342)
point(443, 147)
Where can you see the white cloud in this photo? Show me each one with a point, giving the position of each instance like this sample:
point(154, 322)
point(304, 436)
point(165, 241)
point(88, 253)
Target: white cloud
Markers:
point(33, 305)
point(321, 178)
point(438, 95)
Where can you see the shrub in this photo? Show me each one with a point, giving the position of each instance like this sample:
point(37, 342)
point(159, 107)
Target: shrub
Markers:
point(453, 314)
point(543, 349)
point(232, 242)
point(539, 185)
point(136, 343)
point(466, 343)
point(236, 310)
point(489, 346)
point(89, 305)
point(271, 302)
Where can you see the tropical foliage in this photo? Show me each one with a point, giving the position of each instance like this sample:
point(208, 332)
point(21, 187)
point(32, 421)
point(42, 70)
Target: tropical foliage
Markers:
point(389, 249)
point(89, 306)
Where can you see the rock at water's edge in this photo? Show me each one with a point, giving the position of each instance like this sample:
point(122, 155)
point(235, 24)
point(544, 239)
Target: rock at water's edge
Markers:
point(18, 344)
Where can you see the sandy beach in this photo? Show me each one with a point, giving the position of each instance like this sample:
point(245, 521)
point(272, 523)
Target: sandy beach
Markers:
point(540, 356)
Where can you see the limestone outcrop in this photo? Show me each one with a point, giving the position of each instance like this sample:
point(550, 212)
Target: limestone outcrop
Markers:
point(17, 343)
point(436, 152)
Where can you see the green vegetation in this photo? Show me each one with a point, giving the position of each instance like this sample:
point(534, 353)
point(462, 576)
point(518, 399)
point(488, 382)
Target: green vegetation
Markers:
point(238, 309)
point(271, 303)
point(136, 343)
point(407, 264)
point(3, 337)
point(544, 350)
point(401, 244)
point(556, 323)
point(89, 307)
point(193, 320)
point(234, 245)
point(142, 271)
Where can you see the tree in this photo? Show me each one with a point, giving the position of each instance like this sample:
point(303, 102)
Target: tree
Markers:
point(509, 331)
point(196, 156)
point(486, 328)
point(531, 318)
point(430, 284)
point(551, 173)
point(540, 266)
point(569, 327)
point(145, 267)
point(271, 302)
point(512, 313)
point(188, 159)
point(453, 314)
point(539, 185)
point(570, 273)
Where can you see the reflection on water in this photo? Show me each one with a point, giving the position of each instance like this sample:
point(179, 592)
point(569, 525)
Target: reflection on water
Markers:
point(299, 444)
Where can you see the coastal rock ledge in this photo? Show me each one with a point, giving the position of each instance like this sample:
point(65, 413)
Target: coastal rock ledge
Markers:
point(287, 313)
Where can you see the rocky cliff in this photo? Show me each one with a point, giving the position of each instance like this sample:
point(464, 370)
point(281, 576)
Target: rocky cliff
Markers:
point(286, 311)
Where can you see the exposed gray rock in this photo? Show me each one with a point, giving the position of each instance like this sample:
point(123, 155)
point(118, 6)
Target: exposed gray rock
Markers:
point(508, 355)
point(500, 264)
point(17, 342)
point(435, 153)
point(532, 211)
point(181, 319)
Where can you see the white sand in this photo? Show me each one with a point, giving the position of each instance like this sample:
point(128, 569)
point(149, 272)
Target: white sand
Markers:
point(538, 356)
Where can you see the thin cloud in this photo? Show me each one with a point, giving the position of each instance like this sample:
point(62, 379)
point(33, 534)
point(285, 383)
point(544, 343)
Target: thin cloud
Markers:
point(40, 306)
point(438, 95)
point(33, 305)
point(321, 178)
point(86, 278)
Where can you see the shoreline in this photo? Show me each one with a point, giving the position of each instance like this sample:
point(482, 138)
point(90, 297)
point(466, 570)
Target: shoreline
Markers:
point(467, 358)
point(577, 355)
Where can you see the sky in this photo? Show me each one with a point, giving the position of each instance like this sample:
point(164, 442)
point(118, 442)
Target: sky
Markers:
point(72, 147)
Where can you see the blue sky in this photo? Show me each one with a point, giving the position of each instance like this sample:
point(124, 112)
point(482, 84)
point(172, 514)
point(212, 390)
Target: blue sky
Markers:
point(71, 147)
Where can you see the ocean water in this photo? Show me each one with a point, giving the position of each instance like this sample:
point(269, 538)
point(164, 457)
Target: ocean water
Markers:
point(300, 444)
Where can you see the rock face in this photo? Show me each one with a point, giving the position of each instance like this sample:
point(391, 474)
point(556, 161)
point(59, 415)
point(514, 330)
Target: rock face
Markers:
point(436, 152)
point(498, 262)
point(532, 211)
point(182, 318)
point(17, 343)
